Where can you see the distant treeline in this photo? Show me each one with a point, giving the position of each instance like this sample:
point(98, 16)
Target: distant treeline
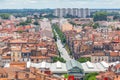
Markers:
point(25, 10)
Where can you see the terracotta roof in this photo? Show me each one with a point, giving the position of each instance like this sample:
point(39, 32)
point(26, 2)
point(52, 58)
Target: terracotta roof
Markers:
point(52, 55)
point(117, 41)
point(6, 57)
point(117, 66)
point(99, 54)
point(3, 78)
point(98, 43)
point(18, 41)
point(18, 63)
point(27, 27)
point(2, 71)
point(41, 44)
point(26, 50)
point(20, 29)
point(21, 73)
point(113, 54)
point(39, 57)
point(109, 75)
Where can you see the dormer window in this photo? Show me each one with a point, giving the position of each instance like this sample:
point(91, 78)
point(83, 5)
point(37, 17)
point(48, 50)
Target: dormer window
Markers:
point(58, 65)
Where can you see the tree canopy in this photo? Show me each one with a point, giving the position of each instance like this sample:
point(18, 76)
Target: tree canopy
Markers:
point(82, 59)
point(5, 16)
point(50, 16)
point(28, 21)
point(59, 32)
point(100, 16)
point(36, 23)
point(95, 25)
point(55, 59)
point(90, 76)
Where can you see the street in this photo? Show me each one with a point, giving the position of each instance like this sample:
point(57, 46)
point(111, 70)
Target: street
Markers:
point(63, 52)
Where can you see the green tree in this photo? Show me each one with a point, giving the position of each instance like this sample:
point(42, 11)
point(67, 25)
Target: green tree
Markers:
point(5, 16)
point(50, 16)
point(23, 23)
point(100, 16)
point(59, 32)
point(118, 29)
point(55, 59)
point(95, 25)
point(28, 21)
point(116, 17)
point(72, 23)
point(70, 16)
point(54, 36)
point(91, 76)
point(36, 23)
point(83, 59)
point(66, 76)
point(20, 31)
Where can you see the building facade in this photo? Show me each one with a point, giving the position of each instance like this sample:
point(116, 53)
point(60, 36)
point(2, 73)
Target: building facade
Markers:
point(76, 12)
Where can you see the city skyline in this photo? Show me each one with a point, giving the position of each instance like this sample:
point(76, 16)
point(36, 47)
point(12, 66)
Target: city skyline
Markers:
point(41, 4)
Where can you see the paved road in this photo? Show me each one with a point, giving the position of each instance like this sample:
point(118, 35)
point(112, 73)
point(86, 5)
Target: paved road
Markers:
point(63, 52)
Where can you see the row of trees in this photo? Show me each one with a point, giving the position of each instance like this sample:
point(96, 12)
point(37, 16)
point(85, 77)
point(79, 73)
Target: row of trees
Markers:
point(100, 16)
point(28, 21)
point(55, 27)
point(60, 33)
point(95, 25)
point(55, 59)
point(83, 59)
point(115, 14)
point(54, 35)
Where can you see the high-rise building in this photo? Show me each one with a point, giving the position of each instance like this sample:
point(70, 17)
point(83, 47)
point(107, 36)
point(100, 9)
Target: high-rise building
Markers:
point(75, 12)
point(82, 13)
point(87, 11)
point(57, 12)
point(64, 12)
point(69, 11)
point(60, 12)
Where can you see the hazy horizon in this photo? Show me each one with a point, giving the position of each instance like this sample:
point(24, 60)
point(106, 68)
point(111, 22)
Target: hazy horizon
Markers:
point(52, 4)
point(50, 8)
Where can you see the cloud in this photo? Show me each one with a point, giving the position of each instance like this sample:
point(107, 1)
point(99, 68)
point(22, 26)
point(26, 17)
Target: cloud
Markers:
point(59, 3)
point(33, 1)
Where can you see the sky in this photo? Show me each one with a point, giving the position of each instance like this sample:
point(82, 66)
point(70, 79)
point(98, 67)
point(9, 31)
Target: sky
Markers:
point(41, 4)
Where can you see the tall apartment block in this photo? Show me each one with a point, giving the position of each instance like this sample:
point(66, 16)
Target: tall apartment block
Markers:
point(79, 12)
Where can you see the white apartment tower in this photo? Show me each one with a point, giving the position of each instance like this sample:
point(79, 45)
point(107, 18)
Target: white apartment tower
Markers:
point(79, 12)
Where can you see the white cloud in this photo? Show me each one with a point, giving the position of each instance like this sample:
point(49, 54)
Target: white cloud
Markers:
point(33, 1)
point(59, 3)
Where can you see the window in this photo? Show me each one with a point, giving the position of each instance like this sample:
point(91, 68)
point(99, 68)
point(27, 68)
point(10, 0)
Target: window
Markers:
point(102, 59)
point(32, 59)
point(95, 60)
point(13, 54)
point(37, 60)
point(98, 59)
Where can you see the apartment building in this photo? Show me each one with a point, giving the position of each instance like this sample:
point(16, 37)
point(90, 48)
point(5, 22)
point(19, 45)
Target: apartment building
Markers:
point(76, 12)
